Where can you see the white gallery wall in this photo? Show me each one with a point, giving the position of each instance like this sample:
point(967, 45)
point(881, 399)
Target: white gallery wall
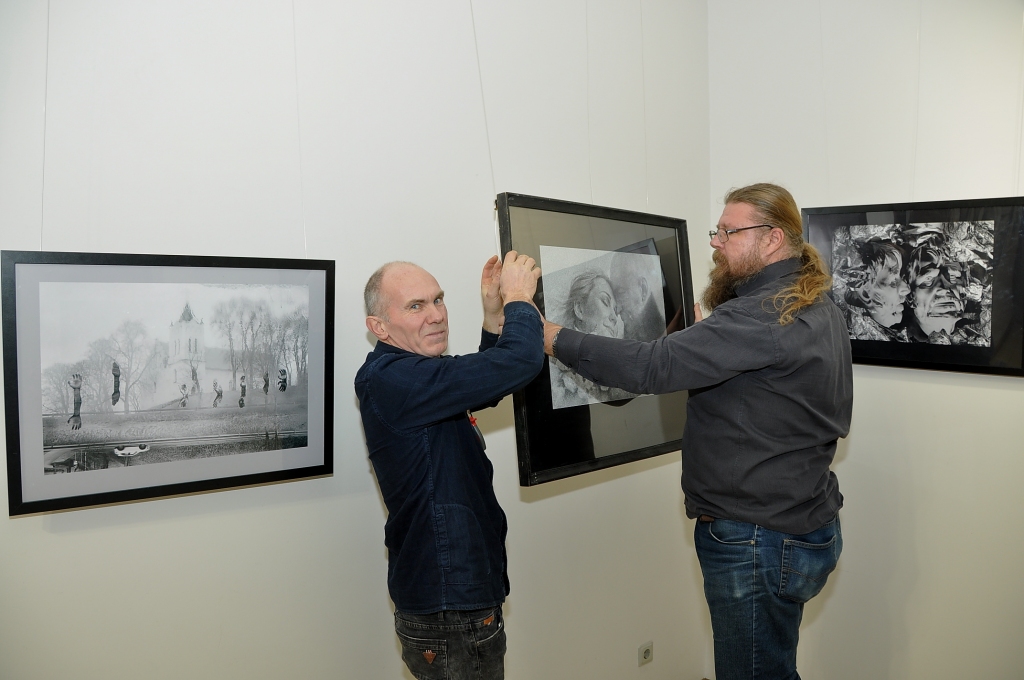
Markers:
point(359, 132)
point(880, 101)
point(364, 132)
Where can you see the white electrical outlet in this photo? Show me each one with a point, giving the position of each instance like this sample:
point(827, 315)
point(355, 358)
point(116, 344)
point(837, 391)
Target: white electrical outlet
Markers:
point(645, 654)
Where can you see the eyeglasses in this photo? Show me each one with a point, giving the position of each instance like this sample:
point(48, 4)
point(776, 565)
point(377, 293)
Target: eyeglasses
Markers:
point(723, 234)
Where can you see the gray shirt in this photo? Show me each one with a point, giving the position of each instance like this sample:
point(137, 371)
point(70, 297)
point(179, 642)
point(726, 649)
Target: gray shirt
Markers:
point(767, 402)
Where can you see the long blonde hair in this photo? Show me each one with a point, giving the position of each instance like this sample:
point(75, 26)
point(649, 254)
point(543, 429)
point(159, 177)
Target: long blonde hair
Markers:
point(774, 205)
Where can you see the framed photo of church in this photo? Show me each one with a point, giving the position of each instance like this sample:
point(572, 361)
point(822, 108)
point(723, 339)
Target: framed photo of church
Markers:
point(130, 377)
point(612, 272)
point(936, 285)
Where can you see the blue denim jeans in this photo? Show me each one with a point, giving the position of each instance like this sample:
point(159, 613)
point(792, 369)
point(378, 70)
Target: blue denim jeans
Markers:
point(756, 582)
point(453, 645)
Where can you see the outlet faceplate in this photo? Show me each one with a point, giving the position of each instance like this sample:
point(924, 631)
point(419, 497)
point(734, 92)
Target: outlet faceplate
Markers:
point(645, 654)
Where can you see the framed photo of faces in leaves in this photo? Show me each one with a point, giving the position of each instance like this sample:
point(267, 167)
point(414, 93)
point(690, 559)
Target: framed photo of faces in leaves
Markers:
point(129, 377)
point(610, 272)
point(937, 285)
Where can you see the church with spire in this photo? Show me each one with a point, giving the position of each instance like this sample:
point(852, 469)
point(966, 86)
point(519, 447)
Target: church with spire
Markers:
point(191, 363)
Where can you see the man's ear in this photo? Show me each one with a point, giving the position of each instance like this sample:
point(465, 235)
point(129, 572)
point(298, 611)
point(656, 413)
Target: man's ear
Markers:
point(375, 325)
point(776, 240)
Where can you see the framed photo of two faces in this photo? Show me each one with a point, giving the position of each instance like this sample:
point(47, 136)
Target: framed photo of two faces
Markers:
point(936, 285)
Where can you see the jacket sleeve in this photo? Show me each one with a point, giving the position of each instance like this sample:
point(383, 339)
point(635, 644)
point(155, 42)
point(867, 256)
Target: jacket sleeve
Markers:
point(725, 344)
point(415, 391)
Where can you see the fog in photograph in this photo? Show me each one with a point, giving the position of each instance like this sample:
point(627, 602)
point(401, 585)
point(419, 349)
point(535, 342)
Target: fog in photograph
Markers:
point(137, 374)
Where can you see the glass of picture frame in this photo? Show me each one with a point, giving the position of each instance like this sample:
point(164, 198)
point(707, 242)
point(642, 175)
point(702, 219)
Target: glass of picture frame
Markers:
point(934, 285)
point(612, 272)
point(130, 377)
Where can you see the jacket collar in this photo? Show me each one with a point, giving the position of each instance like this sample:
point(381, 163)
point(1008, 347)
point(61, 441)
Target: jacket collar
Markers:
point(388, 347)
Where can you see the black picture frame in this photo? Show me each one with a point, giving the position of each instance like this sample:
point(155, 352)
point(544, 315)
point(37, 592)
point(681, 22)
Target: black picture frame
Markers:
point(557, 434)
point(73, 320)
point(960, 269)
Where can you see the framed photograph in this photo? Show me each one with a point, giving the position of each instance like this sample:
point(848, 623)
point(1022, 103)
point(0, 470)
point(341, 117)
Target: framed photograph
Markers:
point(129, 377)
point(610, 272)
point(935, 285)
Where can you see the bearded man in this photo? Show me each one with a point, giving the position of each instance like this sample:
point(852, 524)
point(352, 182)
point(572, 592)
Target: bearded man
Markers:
point(771, 391)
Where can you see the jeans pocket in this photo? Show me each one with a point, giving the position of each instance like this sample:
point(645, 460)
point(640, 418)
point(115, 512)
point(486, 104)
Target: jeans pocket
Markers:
point(426, 659)
point(806, 566)
point(489, 631)
point(490, 647)
point(729, 532)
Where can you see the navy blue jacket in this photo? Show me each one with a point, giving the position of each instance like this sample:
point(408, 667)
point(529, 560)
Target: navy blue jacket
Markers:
point(445, 531)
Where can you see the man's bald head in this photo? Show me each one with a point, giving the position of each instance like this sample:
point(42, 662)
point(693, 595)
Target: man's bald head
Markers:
point(375, 299)
point(405, 308)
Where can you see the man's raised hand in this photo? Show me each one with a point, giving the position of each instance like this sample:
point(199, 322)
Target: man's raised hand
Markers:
point(519, 275)
point(490, 293)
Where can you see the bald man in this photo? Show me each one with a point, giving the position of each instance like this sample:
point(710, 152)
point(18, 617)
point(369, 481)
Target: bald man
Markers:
point(445, 531)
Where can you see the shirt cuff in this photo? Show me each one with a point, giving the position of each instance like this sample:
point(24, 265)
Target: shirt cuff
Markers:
point(518, 307)
point(568, 349)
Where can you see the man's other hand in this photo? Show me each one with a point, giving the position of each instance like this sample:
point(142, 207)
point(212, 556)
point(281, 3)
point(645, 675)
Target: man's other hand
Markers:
point(490, 292)
point(519, 275)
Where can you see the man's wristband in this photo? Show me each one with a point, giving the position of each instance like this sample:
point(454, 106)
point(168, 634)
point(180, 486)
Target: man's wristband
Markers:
point(554, 343)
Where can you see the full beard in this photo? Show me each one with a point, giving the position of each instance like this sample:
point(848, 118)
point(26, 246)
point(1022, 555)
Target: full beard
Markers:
point(723, 279)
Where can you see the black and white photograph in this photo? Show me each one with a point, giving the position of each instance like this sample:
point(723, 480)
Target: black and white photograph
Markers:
point(920, 282)
point(608, 272)
point(139, 376)
point(933, 285)
point(612, 294)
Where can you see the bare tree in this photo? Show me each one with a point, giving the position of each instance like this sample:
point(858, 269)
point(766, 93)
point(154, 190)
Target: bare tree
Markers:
point(136, 355)
point(298, 341)
point(260, 343)
point(56, 395)
point(225, 320)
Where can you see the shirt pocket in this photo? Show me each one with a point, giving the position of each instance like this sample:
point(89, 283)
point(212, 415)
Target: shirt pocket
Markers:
point(463, 549)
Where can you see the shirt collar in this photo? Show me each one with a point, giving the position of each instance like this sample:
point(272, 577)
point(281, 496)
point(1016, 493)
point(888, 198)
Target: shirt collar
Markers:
point(774, 271)
point(388, 347)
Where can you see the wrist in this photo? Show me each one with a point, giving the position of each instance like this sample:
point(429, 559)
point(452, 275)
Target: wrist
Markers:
point(492, 323)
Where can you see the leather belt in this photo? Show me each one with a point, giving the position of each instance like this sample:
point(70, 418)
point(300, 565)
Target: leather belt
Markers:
point(705, 518)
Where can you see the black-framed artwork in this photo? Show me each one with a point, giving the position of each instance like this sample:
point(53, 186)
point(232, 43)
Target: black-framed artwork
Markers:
point(611, 272)
point(936, 285)
point(129, 377)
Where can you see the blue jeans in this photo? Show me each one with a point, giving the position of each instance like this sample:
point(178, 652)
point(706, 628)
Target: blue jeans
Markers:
point(756, 582)
point(453, 645)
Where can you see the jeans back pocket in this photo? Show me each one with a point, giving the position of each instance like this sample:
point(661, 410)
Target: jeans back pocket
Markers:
point(806, 566)
point(426, 659)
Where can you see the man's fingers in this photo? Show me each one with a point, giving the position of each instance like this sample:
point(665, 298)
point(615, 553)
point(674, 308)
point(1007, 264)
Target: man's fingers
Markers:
point(697, 316)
